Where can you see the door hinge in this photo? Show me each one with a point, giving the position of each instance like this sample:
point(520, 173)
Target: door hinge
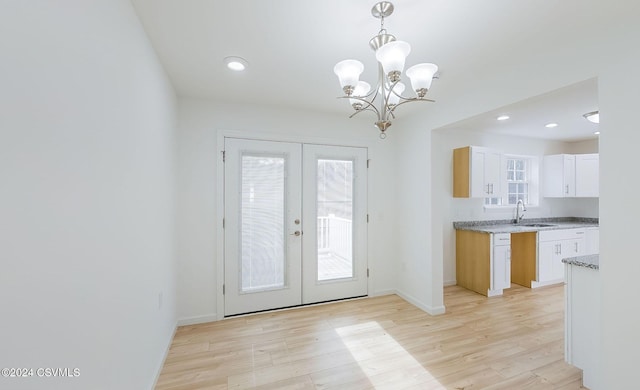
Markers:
point(224, 156)
point(368, 162)
point(223, 289)
point(367, 272)
point(367, 218)
point(223, 223)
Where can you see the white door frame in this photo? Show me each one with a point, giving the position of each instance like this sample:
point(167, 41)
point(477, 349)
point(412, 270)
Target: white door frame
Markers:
point(264, 136)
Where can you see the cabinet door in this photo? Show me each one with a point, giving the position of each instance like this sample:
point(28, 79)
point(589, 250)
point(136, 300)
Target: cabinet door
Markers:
point(485, 172)
point(556, 173)
point(547, 251)
point(492, 174)
point(501, 267)
point(573, 248)
point(587, 175)
point(567, 248)
point(569, 170)
point(479, 187)
point(562, 250)
point(592, 241)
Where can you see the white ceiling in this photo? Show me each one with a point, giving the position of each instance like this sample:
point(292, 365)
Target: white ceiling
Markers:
point(292, 46)
point(565, 106)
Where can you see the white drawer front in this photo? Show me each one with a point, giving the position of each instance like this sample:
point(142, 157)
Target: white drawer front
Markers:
point(563, 234)
point(502, 239)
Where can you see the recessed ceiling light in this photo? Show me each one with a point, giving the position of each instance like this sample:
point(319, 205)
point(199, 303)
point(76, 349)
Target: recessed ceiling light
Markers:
point(551, 125)
point(597, 133)
point(503, 117)
point(236, 63)
point(593, 117)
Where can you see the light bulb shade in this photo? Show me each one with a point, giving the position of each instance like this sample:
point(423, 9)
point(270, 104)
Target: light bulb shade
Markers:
point(361, 90)
point(392, 56)
point(348, 72)
point(393, 97)
point(593, 117)
point(421, 76)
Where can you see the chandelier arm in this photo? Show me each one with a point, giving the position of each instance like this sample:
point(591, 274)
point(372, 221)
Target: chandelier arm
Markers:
point(359, 111)
point(369, 104)
point(410, 100)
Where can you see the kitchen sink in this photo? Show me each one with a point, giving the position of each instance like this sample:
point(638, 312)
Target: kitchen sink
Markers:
point(537, 224)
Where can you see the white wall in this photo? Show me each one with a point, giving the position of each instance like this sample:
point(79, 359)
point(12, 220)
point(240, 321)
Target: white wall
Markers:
point(603, 48)
point(419, 278)
point(619, 214)
point(200, 123)
point(86, 211)
point(471, 209)
point(583, 147)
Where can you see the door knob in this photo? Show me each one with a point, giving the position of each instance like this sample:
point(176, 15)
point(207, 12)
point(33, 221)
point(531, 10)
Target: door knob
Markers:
point(296, 233)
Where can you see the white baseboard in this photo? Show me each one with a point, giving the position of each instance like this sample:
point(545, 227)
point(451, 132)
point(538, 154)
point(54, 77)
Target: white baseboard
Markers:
point(535, 284)
point(383, 292)
point(164, 356)
point(198, 319)
point(434, 311)
point(449, 283)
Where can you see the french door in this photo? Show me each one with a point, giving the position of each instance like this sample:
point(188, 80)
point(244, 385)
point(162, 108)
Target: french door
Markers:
point(295, 224)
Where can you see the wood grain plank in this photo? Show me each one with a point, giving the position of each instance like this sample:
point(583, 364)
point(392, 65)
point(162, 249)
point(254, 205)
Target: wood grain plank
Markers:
point(473, 260)
point(461, 172)
point(523, 258)
point(514, 341)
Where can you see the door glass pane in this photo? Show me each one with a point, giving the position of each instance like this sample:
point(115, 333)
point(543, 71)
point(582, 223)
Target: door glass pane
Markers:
point(335, 213)
point(262, 223)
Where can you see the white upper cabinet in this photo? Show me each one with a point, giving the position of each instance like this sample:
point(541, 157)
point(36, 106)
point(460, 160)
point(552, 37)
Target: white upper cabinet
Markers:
point(477, 172)
point(559, 176)
point(569, 175)
point(588, 175)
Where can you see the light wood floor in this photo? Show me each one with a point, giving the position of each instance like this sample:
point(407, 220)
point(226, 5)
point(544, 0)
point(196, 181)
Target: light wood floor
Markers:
point(509, 342)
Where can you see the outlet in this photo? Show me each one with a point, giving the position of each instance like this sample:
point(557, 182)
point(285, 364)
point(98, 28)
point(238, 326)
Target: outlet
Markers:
point(160, 300)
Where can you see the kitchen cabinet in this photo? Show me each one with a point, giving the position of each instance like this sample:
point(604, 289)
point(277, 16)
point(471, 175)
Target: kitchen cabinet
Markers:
point(553, 246)
point(501, 261)
point(588, 175)
point(592, 244)
point(559, 176)
point(483, 262)
point(524, 251)
point(477, 172)
point(569, 176)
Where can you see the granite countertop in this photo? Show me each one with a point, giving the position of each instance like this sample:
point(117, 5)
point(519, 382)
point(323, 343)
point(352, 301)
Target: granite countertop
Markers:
point(508, 225)
point(588, 261)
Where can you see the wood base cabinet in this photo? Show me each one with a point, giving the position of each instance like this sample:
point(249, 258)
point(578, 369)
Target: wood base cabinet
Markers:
point(483, 261)
point(523, 258)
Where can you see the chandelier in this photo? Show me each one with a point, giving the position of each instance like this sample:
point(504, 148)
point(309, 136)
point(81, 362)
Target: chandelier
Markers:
point(387, 96)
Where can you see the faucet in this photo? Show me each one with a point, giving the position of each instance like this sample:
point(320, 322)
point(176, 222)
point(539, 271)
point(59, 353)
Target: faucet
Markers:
point(519, 215)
